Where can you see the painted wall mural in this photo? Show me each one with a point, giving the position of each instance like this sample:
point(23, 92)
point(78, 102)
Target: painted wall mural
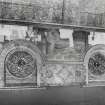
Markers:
point(62, 74)
point(67, 56)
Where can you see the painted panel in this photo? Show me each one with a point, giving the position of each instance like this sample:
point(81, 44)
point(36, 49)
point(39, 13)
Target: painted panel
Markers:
point(62, 74)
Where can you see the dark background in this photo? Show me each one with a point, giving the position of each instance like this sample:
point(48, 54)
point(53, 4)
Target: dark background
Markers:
point(54, 96)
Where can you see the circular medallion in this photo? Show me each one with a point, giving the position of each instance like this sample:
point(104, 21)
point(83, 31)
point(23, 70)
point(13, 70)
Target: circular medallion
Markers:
point(20, 64)
point(94, 60)
point(96, 64)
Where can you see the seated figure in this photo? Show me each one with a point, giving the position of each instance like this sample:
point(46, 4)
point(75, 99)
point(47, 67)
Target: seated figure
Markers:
point(54, 40)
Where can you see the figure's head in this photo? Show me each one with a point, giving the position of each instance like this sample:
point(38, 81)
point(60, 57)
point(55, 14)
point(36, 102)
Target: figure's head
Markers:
point(30, 28)
point(54, 33)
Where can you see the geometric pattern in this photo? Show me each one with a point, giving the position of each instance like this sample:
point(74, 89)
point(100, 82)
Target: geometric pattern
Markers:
point(62, 74)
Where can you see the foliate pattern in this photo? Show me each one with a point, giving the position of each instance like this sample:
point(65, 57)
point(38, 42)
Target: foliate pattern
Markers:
point(97, 64)
point(20, 64)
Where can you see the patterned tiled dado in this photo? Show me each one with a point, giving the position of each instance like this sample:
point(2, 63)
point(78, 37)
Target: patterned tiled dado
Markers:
point(62, 74)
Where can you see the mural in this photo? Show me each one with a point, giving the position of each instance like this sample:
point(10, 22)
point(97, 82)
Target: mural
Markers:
point(66, 45)
point(71, 57)
point(62, 75)
point(62, 46)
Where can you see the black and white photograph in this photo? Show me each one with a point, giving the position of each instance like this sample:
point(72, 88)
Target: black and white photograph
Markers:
point(52, 52)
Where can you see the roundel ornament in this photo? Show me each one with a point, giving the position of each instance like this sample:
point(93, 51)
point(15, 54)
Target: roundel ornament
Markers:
point(95, 61)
